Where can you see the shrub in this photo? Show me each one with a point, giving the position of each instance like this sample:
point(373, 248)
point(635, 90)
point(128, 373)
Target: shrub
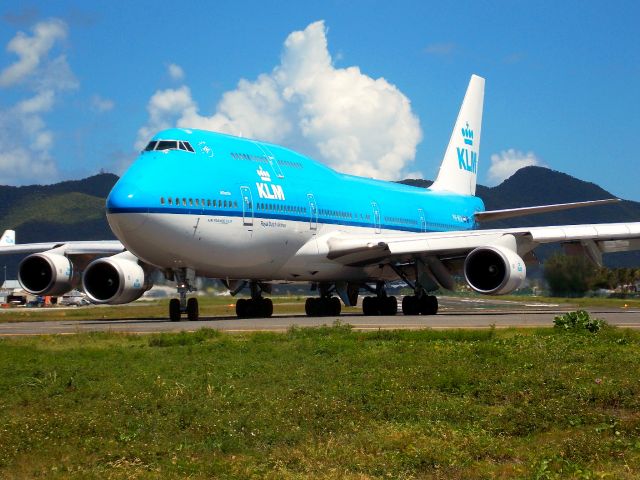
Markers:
point(579, 320)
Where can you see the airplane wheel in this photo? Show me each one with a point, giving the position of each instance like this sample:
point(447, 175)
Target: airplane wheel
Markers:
point(174, 310)
point(311, 307)
point(410, 305)
point(242, 308)
point(434, 304)
point(370, 306)
point(428, 305)
point(267, 307)
point(390, 305)
point(336, 307)
point(193, 312)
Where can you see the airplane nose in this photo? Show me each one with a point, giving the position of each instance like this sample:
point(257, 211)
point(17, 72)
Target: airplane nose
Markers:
point(126, 209)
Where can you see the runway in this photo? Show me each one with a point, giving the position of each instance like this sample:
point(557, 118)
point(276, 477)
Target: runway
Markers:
point(455, 312)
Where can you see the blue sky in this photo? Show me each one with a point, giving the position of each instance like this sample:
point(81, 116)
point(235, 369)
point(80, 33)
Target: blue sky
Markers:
point(374, 88)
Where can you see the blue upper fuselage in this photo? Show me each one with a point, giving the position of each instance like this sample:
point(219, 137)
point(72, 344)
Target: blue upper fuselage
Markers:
point(198, 172)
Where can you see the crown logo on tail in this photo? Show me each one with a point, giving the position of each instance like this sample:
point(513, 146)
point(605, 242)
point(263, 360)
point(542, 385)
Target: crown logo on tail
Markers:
point(467, 135)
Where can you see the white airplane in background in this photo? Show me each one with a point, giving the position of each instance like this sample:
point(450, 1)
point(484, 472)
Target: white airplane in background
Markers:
point(198, 203)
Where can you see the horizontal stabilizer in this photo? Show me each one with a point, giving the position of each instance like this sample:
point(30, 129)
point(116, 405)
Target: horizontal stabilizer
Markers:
point(521, 212)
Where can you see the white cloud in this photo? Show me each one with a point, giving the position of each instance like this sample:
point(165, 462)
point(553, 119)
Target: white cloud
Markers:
point(341, 116)
point(507, 162)
point(100, 104)
point(175, 72)
point(20, 163)
point(25, 139)
point(31, 50)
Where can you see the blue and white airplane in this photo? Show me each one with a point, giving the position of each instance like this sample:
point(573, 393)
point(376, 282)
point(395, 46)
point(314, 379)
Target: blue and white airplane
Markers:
point(198, 203)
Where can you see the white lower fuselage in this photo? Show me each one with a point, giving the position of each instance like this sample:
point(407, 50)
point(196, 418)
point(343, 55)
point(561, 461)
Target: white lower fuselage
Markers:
point(236, 248)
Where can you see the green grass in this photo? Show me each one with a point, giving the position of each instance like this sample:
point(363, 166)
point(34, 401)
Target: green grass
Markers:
point(322, 403)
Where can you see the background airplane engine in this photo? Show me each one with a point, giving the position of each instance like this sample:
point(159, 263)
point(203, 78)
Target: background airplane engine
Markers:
point(494, 270)
point(115, 280)
point(47, 273)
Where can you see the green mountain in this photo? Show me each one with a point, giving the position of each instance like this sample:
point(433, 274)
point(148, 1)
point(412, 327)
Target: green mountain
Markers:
point(74, 210)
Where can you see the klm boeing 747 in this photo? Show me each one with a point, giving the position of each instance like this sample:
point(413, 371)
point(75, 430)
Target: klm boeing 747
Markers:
point(198, 203)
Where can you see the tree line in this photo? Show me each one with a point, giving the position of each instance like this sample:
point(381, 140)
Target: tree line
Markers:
point(570, 275)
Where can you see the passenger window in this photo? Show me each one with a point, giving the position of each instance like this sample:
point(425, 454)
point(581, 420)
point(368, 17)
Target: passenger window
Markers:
point(191, 202)
point(161, 200)
point(235, 204)
point(209, 203)
point(225, 204)
point(184, 202)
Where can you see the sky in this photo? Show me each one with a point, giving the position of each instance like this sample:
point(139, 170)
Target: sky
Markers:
point(368, 87)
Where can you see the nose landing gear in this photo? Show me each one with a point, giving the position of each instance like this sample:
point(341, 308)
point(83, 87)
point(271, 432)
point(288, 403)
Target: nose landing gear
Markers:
point(185, 278)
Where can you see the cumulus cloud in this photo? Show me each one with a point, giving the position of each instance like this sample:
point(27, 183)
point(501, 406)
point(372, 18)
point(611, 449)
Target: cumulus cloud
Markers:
point(175, 72)
point(31, 50)
point(341, 116)
point(100, 104)
point(25, 139)
point(508, 162)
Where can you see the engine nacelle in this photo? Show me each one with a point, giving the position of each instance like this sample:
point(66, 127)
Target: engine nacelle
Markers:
point(494, 270)
point(115, 280)
point(47, 273)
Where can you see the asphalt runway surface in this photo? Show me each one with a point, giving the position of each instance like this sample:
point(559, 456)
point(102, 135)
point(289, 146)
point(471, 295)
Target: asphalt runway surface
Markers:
point(455, 312)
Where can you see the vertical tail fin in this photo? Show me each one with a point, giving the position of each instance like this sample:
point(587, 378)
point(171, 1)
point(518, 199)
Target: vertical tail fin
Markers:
point(8, 238)
point(459, 167)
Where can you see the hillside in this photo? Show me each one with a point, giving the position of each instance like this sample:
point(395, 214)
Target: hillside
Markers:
point(74, 210)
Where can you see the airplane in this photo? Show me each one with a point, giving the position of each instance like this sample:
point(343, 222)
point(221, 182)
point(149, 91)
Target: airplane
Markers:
point(251, 214)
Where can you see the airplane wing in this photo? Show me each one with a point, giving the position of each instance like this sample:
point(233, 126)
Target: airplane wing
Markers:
point(8, 246)
point(380, 248)
point(103, 247)
point(490, 215)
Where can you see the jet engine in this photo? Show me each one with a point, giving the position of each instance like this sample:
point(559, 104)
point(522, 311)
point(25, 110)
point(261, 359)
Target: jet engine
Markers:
point(47, 273)
point(115, 280)
point(494, 270)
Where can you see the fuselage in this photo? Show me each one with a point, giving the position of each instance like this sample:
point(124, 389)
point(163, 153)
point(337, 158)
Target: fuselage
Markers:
point(229, 207)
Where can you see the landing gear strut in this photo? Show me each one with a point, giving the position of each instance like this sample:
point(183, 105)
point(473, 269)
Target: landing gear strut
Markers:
point(185, 278)
point(381, 304)
point(255, 307)
point(324, 306)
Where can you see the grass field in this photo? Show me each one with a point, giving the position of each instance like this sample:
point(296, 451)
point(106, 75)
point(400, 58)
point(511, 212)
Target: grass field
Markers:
point(322, 403)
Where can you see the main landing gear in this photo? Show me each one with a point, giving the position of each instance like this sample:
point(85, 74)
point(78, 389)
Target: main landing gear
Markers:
point(324, 306)
point(421, 304)
point(185, 278)
point(255, 307)
point(381, 304)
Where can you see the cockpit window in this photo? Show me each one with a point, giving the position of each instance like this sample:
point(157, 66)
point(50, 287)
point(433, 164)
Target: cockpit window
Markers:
point(169, 145)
